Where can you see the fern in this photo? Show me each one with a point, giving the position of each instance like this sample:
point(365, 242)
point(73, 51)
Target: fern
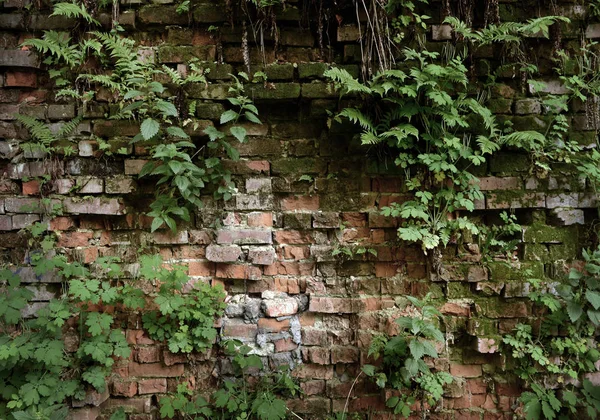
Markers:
point(57, 45)
point(73, 10)
point(38, 130)
point(357, 117)
point(343, 78)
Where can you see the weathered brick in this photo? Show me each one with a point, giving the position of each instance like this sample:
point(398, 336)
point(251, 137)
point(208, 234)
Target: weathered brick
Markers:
point(227, 253)
point(244, 236)
point(108, 206)
point(276, 308)
point(238, 271)
point(262, 255)
point(155, 370)
point(19, 58)
point(152, 386)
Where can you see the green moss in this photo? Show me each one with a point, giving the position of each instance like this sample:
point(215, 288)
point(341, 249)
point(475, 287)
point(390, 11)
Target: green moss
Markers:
point(503, 271)
point(541, 233)
point(311, 70)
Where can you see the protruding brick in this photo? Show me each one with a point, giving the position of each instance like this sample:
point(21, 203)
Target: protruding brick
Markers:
point(223, 253)
point(262, 255)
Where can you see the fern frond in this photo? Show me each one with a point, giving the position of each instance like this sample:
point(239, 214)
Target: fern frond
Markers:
point(56, 44)
point(39, 131)
point(345, 79)
point(69, 127)
point(529, 139)
point(73, 10)
point(357, 117)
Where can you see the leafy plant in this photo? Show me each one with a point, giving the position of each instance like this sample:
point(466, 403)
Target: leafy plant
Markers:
point(184, 319)
point(563, 348)
point(404, 366)
point(235, 399)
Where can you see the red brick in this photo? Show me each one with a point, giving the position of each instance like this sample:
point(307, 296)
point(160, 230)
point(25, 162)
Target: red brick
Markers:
point(273, 325)
point(148, 354)
point(386, 269)
point(314, 337)
point(344, 355)
point(259, 166)
point(332, 305)
point(465, 371)
point(315, 387)
point(296, 252)
point(124, 389)
point(155, 370)
point(31, 187)
point(302, 202)
point(260, 219)
point(311, 371)
point(74, 239)
point(61, 223)
point(318, 355)
point(456, 309)
point(238, 271)
point(201, 268)
point(237, 328)
point(293, 237)
point(20, 79)
point(285, 344)
point(354, 219)
point(152, 386)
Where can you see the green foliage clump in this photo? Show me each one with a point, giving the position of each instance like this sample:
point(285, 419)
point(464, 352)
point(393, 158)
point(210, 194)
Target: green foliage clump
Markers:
point(235, 399)
point(185, 320)
point(404, 366)
point(562, 347)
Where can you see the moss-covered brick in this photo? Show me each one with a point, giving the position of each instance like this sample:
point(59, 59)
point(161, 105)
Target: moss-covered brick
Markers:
point(539, 233)
point(209, 12)
point(279, 71)
point(298, 166)
point(506, 163)
point(317, 90)
point(532, 122)
point(500, 270)
point(583, 138)
point(500, 105)
point(183, 54)
point(481, 327)
point(113, 128)
point(297, 220)
point(296, 38)
point(535, 252)
point(458, 290)
point(162, 14)
point(179, 36)
point(528, 106)
point(209, 111)
point(320, 107)
point(217, 71)
point(211, 91)
point(311, 70)
point(565, 251)
point(514, 200)
point(275, 91)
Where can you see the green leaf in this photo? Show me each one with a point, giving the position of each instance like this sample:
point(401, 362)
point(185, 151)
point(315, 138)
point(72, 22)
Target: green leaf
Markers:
point(239, 133)
point(593, 298)
point(574, 310)
point(149, 128)
point(167, 108)
point(177, 132)
point(227, 116)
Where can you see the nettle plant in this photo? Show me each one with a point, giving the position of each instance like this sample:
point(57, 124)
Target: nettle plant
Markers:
point(405, 365)
point(40, 374)
point(236, 399)
point(556, 352)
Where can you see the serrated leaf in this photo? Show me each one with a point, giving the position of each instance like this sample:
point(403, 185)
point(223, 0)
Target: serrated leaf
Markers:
point(239, 133)
point(149, 128)
point(167, 108)
point(177, 132)
point(227, 116)
point(574, 310)
point(593, 298)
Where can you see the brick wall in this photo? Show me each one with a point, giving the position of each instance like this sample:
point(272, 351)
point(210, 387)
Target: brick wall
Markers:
point(289, 297)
